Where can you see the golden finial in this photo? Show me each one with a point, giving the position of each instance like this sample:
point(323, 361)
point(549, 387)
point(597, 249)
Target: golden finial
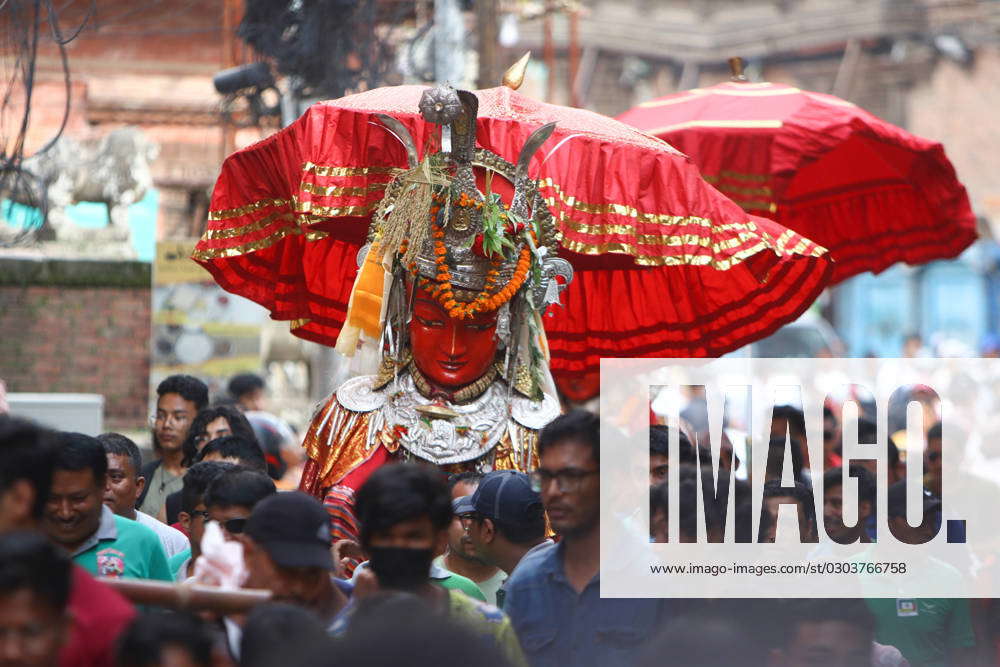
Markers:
point(514, 76)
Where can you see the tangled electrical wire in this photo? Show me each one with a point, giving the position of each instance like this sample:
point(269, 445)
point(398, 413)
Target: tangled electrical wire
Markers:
point(27, 23)
point(326, 47)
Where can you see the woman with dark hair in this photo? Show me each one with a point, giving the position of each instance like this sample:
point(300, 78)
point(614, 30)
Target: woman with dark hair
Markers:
point(212, 423)
point(208, 425)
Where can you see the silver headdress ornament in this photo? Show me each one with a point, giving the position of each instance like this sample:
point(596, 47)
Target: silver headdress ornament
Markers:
point(436, 230)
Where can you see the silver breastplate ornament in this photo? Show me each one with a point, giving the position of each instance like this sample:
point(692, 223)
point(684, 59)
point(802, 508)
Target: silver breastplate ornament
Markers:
point(468, 432)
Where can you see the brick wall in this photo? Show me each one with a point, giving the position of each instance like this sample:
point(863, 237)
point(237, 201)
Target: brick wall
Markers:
point(78, 326)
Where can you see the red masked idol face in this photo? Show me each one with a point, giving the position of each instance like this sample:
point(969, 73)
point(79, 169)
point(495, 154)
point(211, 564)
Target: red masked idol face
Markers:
point(450, 352)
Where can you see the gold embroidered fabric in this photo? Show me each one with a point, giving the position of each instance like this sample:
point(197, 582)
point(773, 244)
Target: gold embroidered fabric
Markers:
point(333, 170)
point(337, 442)
point(233, 232)
point(341, 190)
point(225, 214)
point(646, 249)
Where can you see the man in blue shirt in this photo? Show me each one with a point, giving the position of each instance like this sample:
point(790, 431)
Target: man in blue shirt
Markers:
point(553, 596)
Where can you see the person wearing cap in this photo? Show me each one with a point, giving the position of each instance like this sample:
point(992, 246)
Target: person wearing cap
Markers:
point(931, 632)
point(404, 511)
point(460, 557)
point(506, 521)
point(286, 549)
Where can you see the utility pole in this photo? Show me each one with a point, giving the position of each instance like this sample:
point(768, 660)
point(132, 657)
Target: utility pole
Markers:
point(488, 26)
point(449, 61)
point(549, 51)
point(230, 58)
point(574, 56)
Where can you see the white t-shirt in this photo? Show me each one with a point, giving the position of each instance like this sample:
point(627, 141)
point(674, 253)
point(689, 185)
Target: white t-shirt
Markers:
point(173, 540)
point(489, 587)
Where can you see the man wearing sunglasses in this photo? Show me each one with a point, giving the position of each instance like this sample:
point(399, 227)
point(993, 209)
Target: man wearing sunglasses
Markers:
point(193, 514)
point(231, 497)
point(553, 596)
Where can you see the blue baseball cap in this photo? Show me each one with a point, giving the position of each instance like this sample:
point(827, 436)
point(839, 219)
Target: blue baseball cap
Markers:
point(507, 496)
point(463, 505)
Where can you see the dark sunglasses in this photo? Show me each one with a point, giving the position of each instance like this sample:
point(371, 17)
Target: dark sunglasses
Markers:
point(234, 526)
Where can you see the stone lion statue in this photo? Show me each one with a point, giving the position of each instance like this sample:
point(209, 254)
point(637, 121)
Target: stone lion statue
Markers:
point(115, 171)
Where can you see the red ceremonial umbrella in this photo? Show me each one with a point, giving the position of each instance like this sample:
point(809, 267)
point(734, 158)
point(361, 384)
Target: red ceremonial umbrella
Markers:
point(665, 264)
point(870, 192)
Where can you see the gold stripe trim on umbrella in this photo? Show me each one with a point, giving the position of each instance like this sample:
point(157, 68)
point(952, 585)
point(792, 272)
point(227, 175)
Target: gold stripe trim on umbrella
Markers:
point(261, 244)
point(299, 323)
point(756, 205)
point(341, 191)
point(661, 240)
point(332, 170)
point(631, 212)
point(779, 245)
point(575, 246)
point(746, 192)
point(617, 209)
point(233, 232)
point(734, 124)
point(334, 211)
point(736, 176)
point(687, 259)
point(245, 248)
point(310, 213)
point(227, 213)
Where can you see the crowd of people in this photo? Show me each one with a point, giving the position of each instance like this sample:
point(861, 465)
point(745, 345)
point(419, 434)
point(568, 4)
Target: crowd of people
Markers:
point(500, 568)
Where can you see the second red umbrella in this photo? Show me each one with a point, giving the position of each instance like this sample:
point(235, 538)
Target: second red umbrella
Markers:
point(870, 192)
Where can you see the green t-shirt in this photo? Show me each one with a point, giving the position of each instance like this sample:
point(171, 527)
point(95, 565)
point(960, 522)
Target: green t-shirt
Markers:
point(485, 619)
point(124, 548)
point(488, 587)
point(456, 582)
point(925, 630)
point(178, 562)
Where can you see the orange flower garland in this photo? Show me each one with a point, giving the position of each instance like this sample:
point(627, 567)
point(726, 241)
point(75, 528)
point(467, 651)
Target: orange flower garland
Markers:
point(443, 292)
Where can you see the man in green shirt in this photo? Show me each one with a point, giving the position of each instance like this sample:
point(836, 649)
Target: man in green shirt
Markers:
point(77, 519)
point(929, 632)
point(460, 558)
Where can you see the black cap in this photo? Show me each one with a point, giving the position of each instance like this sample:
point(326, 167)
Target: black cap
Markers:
point(896, 505)
point(507, 496)
point(294, 529)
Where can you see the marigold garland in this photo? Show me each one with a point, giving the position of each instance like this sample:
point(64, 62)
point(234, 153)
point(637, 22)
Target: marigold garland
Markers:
point(486, 301)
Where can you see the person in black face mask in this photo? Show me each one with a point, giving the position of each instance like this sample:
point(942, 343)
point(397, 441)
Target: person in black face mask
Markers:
point(404, 511)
